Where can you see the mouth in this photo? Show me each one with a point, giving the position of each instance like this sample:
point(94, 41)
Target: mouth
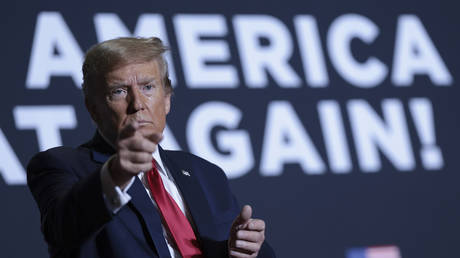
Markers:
point(144, 122)
point(140, 121)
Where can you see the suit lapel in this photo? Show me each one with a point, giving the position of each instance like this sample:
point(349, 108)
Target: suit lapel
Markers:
point(192, 193)
point(141, 207)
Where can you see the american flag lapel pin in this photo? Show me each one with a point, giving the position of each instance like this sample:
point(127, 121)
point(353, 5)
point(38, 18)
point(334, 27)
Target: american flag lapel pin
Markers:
point(186, 173)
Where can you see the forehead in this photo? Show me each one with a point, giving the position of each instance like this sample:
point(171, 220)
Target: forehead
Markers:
point(134, 72)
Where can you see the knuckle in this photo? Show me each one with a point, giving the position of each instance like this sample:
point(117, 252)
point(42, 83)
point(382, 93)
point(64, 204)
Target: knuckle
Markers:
point(146, 146)
point(240, 244)
point(136, 157)
point(262, 237)
point(123, 153)
point(136, 142)
point(146, 167)
point(150, 146)
point(125, 164)
point(121, 144)
point(262, 224)
point(145, 157)
point(139, 168)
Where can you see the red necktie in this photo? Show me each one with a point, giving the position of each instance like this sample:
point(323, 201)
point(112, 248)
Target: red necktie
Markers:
point(176, 222)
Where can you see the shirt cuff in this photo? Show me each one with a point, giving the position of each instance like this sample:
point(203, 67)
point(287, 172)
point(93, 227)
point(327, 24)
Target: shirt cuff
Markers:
point(114, 197)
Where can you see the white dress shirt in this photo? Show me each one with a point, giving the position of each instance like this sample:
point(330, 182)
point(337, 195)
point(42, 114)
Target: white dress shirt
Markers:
point(116, 198)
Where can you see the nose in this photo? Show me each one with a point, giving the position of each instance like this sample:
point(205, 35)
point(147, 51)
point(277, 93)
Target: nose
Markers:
point(136, 101)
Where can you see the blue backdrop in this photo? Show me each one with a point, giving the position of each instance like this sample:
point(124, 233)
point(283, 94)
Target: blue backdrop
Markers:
point(336, 120)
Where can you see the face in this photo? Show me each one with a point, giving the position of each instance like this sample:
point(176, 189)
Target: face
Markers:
point(134, 92)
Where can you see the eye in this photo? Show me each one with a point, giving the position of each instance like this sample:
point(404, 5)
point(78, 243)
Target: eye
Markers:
point(148, 87)
point(118, 93)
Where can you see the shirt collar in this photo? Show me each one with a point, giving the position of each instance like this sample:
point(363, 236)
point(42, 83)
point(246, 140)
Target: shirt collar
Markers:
point(157, 158)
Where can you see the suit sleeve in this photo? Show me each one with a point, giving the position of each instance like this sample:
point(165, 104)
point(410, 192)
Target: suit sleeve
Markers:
point(72, 208)
point(266, 251)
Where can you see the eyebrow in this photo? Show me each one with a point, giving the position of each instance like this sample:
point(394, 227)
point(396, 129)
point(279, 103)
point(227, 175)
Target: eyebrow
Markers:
point(146, 80)
point(121, 83)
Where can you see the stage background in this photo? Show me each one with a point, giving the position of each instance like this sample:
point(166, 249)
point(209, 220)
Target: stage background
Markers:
point(337, 120)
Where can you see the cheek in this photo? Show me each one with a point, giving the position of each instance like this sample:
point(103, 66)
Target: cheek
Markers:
point(113, 116)
point(158, 113)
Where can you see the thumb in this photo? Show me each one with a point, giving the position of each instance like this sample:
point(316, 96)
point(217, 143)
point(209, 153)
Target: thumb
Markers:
point(244, 216)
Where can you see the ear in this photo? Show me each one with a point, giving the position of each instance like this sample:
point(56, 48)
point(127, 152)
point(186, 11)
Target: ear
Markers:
point(167, 102)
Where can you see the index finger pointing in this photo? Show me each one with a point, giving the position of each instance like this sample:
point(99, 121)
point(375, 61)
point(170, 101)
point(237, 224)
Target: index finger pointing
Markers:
point(129, 129)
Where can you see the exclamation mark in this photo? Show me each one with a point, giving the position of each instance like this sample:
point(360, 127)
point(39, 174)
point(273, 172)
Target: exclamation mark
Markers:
point(422, 114)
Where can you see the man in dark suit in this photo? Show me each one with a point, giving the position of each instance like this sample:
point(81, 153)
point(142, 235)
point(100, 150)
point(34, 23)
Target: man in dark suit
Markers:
point(121, 195)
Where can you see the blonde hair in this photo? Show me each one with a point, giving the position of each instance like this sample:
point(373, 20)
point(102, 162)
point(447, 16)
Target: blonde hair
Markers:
point(109, 55)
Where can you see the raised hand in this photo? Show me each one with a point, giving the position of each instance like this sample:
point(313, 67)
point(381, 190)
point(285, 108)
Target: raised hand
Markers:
point(135, 145)
point(246, 235)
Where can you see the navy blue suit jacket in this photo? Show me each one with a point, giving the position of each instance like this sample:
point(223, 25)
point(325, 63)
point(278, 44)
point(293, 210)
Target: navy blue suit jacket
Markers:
point(66, 185)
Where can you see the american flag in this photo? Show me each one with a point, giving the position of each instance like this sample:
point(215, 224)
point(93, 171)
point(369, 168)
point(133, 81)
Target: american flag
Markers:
point(388, 251)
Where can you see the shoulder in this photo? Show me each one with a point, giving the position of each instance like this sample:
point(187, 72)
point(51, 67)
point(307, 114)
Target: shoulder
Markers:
point(53, 155)
point(190, 160)
point(212, 180)
point(198, 165)
point(59, 158)
point(59, 154)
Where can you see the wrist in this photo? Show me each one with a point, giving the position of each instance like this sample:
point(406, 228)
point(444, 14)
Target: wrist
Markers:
point(120, 178)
